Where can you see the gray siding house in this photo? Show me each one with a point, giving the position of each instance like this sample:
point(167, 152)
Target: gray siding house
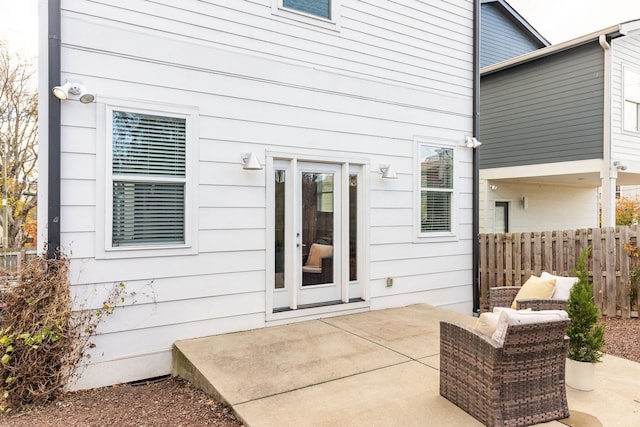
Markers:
point(504, 34)
point(560, 133)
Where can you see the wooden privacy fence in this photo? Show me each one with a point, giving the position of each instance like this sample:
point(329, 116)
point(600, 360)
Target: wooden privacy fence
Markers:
point(509, 259)
point(11, 262)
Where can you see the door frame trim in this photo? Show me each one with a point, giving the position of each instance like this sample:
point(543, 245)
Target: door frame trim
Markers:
point(363, 244)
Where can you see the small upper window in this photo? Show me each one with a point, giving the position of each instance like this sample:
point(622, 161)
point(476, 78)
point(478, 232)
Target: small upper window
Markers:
point(631, 101)
point(321, 8)
point(320, 13)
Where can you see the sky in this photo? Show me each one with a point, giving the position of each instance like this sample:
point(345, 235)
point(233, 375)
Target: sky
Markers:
point(561, 20)
point(19, 25)
point(556, 20)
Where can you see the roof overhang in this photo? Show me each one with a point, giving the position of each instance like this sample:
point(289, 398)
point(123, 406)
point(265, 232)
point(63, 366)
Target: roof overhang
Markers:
point(615, 31)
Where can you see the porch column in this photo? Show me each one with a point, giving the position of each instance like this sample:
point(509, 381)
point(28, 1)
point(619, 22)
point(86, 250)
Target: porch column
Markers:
point(608, 202)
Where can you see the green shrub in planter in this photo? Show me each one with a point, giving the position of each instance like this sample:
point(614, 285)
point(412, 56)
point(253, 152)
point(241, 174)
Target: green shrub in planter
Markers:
point(586, 336)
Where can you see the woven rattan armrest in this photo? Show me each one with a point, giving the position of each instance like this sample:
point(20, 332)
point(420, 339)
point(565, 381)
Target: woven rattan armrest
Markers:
point(537, 304)
point(502, 296)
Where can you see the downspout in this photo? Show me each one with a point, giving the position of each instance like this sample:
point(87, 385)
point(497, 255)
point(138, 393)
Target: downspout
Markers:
point(53, 190)
point(476, 174)
point(609, 175)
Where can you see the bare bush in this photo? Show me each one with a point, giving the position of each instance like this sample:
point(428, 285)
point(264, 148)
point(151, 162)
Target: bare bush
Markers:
point(42, 339)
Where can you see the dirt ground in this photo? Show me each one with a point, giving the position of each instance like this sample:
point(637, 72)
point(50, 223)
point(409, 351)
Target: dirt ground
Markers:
point(175, 402)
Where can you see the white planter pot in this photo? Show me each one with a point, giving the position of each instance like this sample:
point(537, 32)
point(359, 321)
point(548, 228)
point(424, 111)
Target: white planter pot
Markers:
point(580, 375)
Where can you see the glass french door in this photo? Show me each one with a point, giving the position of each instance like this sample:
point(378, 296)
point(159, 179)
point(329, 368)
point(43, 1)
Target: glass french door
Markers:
point(315, 233)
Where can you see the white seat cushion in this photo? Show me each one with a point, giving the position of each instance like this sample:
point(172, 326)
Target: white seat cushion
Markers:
point(563, 285)
point(521, 317)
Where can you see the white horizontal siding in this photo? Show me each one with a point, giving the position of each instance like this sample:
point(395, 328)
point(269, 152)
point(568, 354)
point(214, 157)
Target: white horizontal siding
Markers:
point(550, 207)
point(624, 144)
point(262, 83)
point(149, 363)
point(252, 30)
point(451, 297)
point(86, 271)
point(171, 289)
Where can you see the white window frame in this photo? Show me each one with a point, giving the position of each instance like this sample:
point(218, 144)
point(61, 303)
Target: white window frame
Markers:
point(333, 23)
point(104, 202)
point(435, 235)
point(634, 99)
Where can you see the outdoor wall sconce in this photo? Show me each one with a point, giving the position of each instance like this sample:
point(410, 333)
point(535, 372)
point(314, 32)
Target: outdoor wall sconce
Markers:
point(388, 172)
point(73, 88)
point(524, 202)
point(472, 142)
point(618, 165)
point(493, 187)
point(250, 162)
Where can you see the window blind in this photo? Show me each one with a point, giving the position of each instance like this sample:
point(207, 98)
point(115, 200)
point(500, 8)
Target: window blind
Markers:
point(148, 145)
point(436, 211)
point(146, 212)
point(436, 185)
point(149, 211)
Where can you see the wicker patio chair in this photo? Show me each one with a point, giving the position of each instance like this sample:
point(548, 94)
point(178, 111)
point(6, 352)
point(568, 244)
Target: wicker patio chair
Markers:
point(503, 296)
point(517, 384)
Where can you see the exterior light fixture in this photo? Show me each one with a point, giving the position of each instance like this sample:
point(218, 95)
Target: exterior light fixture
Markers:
point(618, 165)
point(472, 142)
point(250, 162)
point(73, 88)
point(388, 172)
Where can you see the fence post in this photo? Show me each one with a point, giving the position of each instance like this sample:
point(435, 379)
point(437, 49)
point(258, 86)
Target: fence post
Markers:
point(610, 271)
point(491, 260)
point(517, 257)
point(596, 254)
point(526, 256)
point(537, 254)
point(622, 296)
point(484, 276)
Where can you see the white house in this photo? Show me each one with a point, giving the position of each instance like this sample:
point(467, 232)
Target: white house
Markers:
point(205, 148)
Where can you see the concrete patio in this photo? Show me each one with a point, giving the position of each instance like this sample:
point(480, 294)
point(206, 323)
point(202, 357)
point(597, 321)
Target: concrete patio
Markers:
point(377, 368)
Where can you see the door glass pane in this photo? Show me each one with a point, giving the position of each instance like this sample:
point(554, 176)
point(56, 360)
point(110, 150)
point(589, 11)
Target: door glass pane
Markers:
point(353, 227)
point(317, 228)
point(279, 228)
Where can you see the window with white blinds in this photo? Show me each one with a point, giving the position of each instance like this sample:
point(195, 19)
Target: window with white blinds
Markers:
point(148, 179)
point(436, 188)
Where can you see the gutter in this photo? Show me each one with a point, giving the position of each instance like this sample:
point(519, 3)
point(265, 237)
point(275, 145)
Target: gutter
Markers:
point(53, 183)
point(476, 161)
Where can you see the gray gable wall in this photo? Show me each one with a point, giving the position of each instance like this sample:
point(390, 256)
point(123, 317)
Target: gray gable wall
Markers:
point(501, 38)
point(544, 111)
